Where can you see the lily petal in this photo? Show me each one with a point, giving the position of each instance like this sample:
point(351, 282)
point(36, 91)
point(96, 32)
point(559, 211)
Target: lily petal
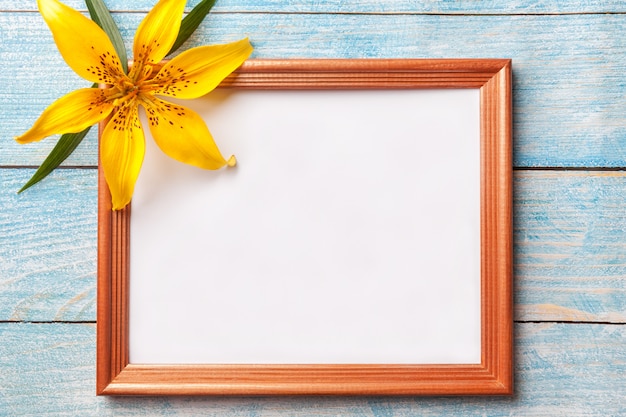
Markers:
point(82, 43)
point(157, 32)
point(122, 148)
point(199, 70)
point(72, 113)
point(182, 135)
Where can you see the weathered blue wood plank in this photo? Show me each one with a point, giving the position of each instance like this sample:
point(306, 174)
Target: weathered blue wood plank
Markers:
point(570, 246)
point(48, 246)
point(568, 70)
point(570, 250)
point(568, 370)
point(363, 6)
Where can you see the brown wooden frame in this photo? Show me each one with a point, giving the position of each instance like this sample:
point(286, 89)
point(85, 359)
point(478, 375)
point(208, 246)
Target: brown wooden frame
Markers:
point(116, 376)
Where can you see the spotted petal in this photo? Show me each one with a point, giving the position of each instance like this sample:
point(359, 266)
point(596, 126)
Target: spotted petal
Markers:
point(157, 32)
point(197, 71)
point(71, 113)
point(82, 43)
point(182, 134)
point(122, 148)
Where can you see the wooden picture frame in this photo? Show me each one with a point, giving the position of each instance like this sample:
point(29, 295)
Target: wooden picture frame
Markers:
point(492, 376)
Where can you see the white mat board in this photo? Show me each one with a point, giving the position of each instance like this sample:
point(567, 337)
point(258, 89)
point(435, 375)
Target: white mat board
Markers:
point(349, 232)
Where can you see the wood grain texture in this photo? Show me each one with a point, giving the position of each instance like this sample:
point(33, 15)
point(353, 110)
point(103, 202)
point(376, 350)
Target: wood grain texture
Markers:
point(570, 255)
point(573, 370)
point(563, 220)
point(362, 6)
point(566, 68)
point(48, 246)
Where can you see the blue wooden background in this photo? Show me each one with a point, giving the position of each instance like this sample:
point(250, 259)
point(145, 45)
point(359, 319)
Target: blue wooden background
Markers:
point(569, 60)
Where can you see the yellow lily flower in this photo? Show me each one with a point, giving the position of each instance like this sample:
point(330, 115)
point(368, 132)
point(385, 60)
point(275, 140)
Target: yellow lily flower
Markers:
point(178, 131)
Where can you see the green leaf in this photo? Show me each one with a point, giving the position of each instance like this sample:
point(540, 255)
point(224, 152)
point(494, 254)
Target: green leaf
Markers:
point(191, 22)
point(70, 141)
point(64, 147)
point(101, 15)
